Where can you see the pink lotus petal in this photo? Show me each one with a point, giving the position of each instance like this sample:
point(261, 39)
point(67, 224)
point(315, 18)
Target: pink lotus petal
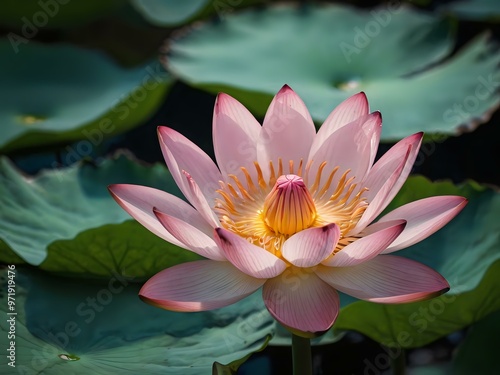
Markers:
point(190, 236)
point(375, 239)
point(346, 112)
point(301, 301)
point(386, 279)
point(139, 201)
point(248, 258)
point(309, 247)
point(287, 132)
point(235, 135)
point(198, 286)
point(424, 217)
point(183, 155)
point(199, 201)
point(353, 147)
point(382, 198)
point(389, 162)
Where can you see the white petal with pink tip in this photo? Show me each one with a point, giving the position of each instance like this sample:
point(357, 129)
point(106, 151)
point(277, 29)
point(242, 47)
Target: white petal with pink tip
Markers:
point(386, 279)
point(346, 112)
point(190, 236)
point(381, 199)
point(287, 132)
point(301, 301)
point(139, 202)
point(383, 169)
point(199, 201)
point(424, 217)
point(375, 239)
point(183, 155)
point(350, 147)
point(248, 258)
point(309, 247)
point(198, 286)
point(235, 135)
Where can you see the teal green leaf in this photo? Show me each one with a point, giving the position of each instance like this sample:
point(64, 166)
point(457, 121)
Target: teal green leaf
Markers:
point(168, 12)
point(72, 327)
point(57, 94)
point(477, 10)
point(65, 221)
point(32, 16)
point(232, 368)
point(327, 53)
point(465, 252)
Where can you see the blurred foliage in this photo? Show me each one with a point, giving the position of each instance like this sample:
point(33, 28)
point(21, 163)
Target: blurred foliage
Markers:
point(55, 94)
point(69, 327)
point(66, 222)
point(328, 53)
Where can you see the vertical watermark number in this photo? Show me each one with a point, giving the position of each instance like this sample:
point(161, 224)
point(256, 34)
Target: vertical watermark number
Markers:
point(11, 315)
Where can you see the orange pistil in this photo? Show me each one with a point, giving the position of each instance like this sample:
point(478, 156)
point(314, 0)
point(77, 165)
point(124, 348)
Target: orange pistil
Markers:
point(289, 207)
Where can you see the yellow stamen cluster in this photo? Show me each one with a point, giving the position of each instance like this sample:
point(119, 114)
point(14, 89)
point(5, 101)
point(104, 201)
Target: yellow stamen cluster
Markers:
point(267, 213)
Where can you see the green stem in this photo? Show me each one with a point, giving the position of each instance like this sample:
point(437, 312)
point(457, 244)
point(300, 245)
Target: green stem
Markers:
point(398, 364)
point(301, 353)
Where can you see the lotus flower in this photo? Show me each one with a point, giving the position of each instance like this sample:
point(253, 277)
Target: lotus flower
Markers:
point(290, 211)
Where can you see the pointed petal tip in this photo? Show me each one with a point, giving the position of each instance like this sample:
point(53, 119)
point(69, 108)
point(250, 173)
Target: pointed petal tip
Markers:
point(221, 99)
point(361, 95)
point(285, 88)
point(162, 131)
point(143, 296)
point(415, 138)
point(377, 115)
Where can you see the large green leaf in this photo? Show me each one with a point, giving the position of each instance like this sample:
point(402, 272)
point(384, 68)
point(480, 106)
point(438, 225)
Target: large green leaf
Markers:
point(71, 327)
point(327, 53)
point(57, 94)
point(66, 221)
point(466, 252)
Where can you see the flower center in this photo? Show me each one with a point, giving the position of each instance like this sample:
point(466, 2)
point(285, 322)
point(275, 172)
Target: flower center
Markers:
point(289, 207)
point(266, 212)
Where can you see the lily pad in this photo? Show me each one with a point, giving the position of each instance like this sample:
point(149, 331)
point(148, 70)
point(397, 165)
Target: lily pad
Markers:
point(65, 221)
point(477, 10)
point(168, 12)
point(465, 252)
point(58, 94)
point(69, 327)
point(327, 53)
